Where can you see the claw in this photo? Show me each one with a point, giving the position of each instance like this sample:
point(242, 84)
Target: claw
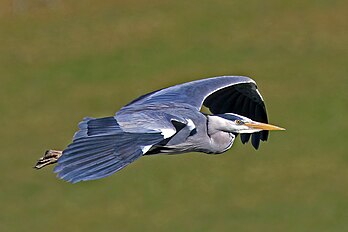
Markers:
point(50, 157)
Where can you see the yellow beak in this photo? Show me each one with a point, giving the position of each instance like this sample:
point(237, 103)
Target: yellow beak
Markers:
point(263, 126)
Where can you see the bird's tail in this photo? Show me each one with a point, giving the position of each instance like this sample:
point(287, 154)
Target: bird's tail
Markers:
point(101, 148)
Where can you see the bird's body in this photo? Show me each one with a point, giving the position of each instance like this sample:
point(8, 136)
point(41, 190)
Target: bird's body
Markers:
point(167, 121)
point(197, 135)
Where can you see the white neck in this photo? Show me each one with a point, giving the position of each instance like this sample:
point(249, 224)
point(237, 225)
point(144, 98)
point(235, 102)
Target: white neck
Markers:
point(216, 123)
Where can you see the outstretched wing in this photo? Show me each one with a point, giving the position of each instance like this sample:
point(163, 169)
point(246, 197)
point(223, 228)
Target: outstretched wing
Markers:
point(101, 148)
point(225, 94)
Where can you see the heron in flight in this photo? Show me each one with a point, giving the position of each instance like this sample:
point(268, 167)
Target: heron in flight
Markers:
point(165, 121)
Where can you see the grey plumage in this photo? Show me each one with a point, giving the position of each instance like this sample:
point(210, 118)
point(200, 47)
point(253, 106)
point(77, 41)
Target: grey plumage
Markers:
point(167, 121)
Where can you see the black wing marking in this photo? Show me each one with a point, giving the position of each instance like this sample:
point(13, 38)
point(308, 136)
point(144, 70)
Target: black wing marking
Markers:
point(243, 99)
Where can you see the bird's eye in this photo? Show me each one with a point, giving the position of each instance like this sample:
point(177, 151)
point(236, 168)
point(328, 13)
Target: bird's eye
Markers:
point(239, 122)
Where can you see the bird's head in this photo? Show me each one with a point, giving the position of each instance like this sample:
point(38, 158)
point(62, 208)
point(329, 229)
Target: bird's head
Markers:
point(235, 123)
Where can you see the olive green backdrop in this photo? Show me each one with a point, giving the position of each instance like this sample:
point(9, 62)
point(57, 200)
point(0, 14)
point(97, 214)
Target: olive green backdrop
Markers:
point(63, 60)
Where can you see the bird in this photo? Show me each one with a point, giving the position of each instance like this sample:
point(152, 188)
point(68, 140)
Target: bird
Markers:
point(166, 121)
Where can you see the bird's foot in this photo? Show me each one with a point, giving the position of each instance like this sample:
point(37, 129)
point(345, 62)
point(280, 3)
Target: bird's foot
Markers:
point(50, 157)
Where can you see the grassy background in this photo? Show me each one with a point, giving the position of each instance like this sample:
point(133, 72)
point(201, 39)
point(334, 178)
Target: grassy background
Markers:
point(62, 60)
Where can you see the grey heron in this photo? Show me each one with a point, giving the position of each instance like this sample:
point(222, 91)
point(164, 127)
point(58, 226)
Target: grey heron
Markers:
point(166, 121)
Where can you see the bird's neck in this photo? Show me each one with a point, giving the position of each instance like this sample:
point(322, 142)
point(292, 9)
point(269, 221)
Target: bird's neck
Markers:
point(218, 124)
point(220, 139)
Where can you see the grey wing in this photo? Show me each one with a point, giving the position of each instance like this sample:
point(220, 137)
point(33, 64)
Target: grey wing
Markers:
point(144, 119)
point(101, 148)
point(191, 93)
point(233, 94)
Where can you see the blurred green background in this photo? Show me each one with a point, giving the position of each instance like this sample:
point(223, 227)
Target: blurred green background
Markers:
point(62, 60)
